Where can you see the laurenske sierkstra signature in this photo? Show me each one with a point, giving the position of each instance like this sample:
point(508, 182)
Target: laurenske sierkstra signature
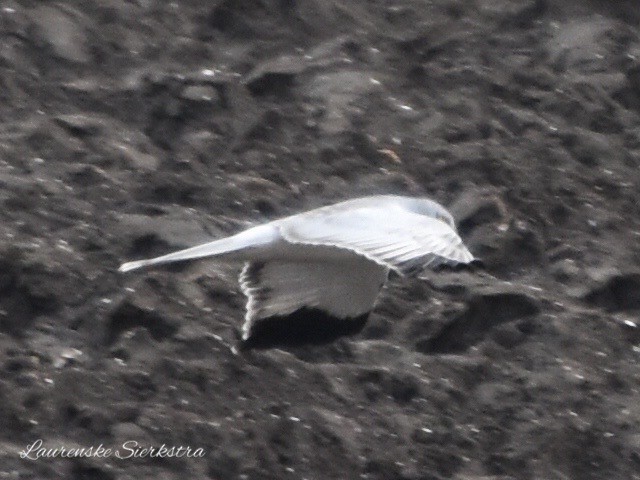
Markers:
point(129, 449)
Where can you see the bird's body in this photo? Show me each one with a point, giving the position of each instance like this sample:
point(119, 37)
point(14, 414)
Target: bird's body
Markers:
point(331, 261)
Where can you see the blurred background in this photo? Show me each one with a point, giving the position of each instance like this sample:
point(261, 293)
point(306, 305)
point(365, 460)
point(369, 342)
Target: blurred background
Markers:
point(131, 128)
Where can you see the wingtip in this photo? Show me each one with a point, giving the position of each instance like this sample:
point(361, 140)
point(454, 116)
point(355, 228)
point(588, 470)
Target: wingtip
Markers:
point(477, 264)
point(126, 267)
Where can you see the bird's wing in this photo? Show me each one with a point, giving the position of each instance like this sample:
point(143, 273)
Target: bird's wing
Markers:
point(343, 290)
point(390, 236)
point(240, 245)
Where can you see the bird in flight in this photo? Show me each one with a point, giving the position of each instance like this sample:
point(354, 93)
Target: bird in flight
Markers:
point(315, 276)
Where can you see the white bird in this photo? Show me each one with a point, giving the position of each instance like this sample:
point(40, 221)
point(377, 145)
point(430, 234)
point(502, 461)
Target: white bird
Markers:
point(325, 267)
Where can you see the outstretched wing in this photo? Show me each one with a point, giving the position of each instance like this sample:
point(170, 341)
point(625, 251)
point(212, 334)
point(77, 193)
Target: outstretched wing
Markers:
point(343, 290)
point(389, 235)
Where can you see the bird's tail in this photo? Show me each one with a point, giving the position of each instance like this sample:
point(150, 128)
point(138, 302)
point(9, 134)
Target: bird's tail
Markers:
point(253, 238)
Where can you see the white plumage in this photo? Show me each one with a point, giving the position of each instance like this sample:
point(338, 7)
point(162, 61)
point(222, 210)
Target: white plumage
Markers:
point(332, 259)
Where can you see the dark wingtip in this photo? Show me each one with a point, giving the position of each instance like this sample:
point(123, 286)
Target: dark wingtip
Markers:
point(477, 264)
point(473, 266)
point(306, 326)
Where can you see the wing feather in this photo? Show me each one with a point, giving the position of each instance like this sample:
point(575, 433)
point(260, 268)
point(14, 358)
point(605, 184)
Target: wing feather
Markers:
point(389, 235)
point(344, 290)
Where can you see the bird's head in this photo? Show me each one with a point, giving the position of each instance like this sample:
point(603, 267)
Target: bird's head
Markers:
point(431, 208)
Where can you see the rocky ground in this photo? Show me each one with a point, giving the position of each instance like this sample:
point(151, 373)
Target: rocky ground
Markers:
point(130, 128)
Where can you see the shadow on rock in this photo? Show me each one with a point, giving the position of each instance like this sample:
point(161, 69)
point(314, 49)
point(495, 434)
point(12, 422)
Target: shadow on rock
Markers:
point(484, 312)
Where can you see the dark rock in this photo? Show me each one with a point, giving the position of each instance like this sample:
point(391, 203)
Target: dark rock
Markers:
point(128, 315)
point(274, 76)
point(508, 335)
point(476, 208)
point(85, 470)
point(26, 291)
point(485, 310)
point(619, 291)
point(336, 91)
point(171, 229)
point(135, 158)
point(15, 416)
point(566, 270)
point(402, 388)
point(140, 384)
point(80, 124)
point(63, 32)
point(591, 148)
point(224, 463)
